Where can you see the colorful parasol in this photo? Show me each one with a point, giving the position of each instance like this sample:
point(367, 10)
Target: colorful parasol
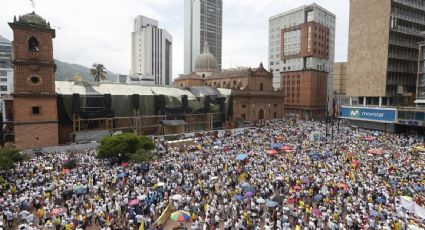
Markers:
point(180, 216)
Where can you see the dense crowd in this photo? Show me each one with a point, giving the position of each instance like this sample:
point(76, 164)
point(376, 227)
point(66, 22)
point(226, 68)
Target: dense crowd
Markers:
point(276, 175)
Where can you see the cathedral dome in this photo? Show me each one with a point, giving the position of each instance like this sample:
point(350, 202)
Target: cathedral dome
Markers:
point(206, 62)
point(33, 19)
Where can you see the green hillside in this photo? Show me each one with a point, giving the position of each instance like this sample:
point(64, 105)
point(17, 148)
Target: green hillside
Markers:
point(68, 71)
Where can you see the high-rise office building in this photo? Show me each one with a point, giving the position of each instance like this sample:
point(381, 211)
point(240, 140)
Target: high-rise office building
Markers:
point(383, 51)
point(151, 51)
point(6, 70)
point(291, 19)
point(202, 23)
point(301, 56)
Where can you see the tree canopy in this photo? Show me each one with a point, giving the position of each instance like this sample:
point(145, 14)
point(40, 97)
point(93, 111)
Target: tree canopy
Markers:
point(125, 147)
point(9, 156)
point(98, 72)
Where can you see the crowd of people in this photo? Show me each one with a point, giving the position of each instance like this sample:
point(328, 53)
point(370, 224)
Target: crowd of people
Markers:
point(279, 174)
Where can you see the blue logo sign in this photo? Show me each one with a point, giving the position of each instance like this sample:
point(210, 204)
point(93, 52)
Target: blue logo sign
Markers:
point(369, 114)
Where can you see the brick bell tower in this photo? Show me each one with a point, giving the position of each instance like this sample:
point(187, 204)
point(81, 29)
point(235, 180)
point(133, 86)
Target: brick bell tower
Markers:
point(35, 117)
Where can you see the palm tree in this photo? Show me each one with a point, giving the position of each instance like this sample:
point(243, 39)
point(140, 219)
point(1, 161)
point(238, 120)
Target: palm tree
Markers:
point(98, 72)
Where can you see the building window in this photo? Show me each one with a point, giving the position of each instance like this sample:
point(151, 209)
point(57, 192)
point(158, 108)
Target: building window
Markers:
point(35, 110)
point(3, 88)
point(243, 106)
point(261, 87)
point(292, 42)
point(35, 80)
point(243, 117)
point(3, 73)
point(33, 45)
point(3, 79)
point(275, 105)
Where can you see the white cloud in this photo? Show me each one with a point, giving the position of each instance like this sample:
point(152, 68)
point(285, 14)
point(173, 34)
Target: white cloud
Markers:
point(99, 31)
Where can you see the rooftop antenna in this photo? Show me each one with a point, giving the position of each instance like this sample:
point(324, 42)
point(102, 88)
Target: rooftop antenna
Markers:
point(32, 4)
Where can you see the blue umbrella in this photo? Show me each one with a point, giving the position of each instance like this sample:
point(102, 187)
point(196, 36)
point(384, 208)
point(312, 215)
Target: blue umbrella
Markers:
point(241, 157)
point(275, 146)
point(80, 190)
point(238, 197)
point(121, 175)
point(317, 197)
point(419, 189)
point(313, 153)
point(380, 200)
point(393, 182)
point(271, 204)
point(248, 189)
point(245, 184)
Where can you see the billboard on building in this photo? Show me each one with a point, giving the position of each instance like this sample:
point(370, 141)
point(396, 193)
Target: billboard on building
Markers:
point(385, 115)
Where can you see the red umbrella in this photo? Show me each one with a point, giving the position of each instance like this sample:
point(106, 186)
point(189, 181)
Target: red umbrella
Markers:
point(279, 138)
point(317, 212)
point(66, 171)
point(124, 164)
point(284, 148)
point(356, 162)
point(56, 212)
point(376, 151)
point(133, 202)
point(297, 187)
point(342, 186)
point(292, 201)
point(271, 152)
point(369, 138)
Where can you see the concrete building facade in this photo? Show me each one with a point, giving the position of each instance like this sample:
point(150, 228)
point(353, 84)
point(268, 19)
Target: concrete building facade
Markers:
point(202, 23)
point(340, 78)
point(304, 51)
point(6, 71)
point(301, 56)
point(383, 51)
point(151, 50)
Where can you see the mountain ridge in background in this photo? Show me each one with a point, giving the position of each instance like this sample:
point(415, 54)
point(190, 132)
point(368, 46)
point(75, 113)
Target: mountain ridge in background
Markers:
point(69, 71)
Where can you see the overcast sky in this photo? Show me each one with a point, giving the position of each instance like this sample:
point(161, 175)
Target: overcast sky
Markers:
point(98, 31)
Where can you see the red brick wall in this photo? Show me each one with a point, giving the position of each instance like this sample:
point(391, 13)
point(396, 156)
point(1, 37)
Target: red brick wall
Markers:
point(20, 45)
point(22, 79)
point(304, 88)
point(36, 135)
point(250, 107)
point(23, 109)
point(319, 41)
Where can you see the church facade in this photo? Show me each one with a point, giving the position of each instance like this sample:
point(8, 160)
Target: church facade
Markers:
point(252, 91)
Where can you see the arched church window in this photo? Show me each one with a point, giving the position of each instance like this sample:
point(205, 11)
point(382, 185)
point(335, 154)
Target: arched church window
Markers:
point(33, 45)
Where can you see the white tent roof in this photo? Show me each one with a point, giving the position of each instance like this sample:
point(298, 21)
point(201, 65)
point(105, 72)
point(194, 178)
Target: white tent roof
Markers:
point(82, 88)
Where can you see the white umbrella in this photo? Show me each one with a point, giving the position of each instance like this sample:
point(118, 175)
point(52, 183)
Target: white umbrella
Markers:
point(177, 197)
point(261, 201)
point(48, 168)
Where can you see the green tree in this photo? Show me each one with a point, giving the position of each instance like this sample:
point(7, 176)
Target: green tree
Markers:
point(141, 156)
point(12, 153)
point(6, 163)
point(98, 72)
point(122, 147)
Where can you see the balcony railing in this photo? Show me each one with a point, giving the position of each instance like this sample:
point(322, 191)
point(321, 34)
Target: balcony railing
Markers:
point(257, 93)
point(411, 4)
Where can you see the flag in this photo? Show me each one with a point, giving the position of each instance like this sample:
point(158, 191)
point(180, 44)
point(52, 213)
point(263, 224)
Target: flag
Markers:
point(165, 214)
point(142, 225)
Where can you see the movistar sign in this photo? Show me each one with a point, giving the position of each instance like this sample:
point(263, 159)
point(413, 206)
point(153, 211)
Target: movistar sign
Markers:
point(369, 114)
